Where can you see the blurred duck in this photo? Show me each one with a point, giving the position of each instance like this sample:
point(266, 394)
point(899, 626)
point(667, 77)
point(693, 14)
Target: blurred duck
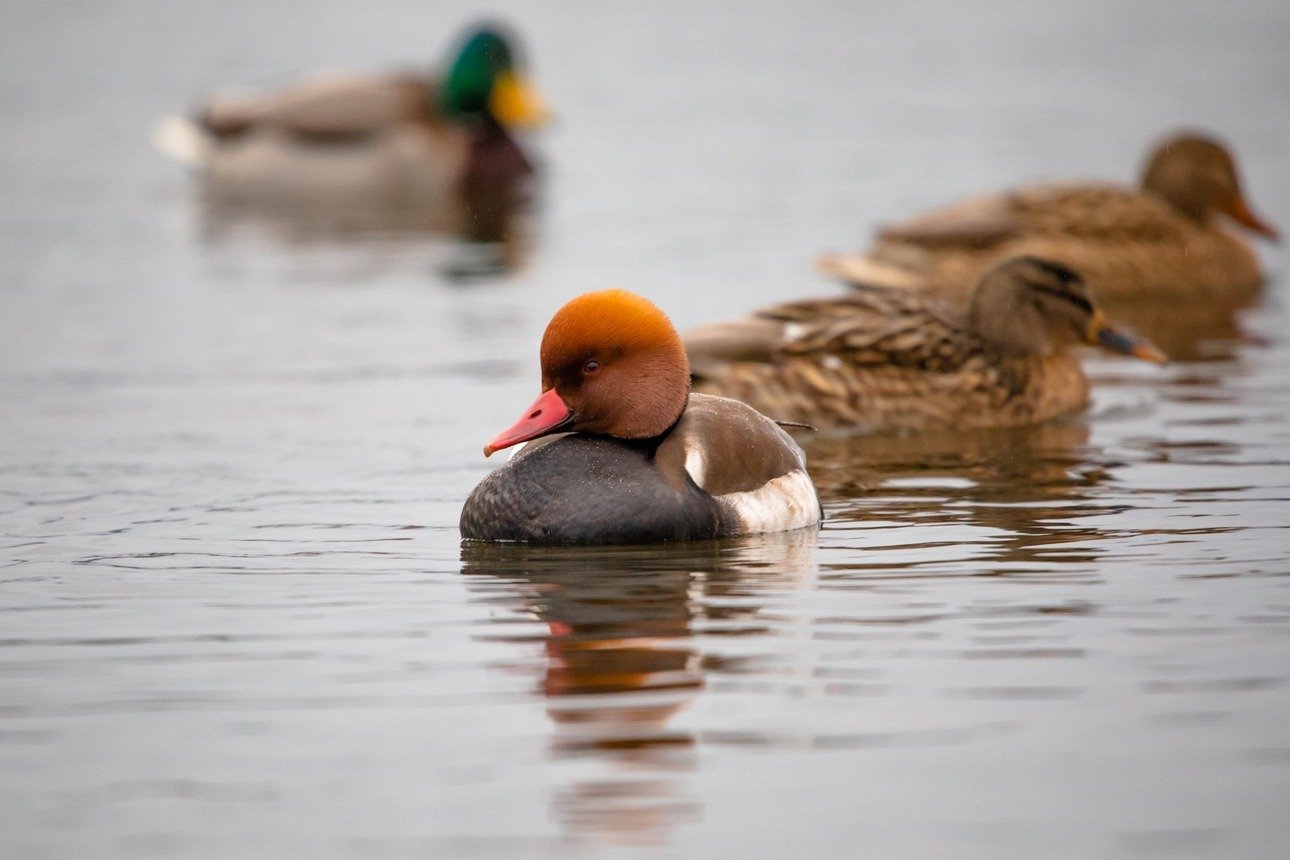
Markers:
point(640, 458)
point(883, 358)
point(391, 141)
point(1163, 240)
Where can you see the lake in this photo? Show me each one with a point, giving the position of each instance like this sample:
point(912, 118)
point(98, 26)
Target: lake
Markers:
point(235, 615)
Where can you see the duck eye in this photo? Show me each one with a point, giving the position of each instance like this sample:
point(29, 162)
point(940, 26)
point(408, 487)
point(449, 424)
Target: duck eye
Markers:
point(591, 366)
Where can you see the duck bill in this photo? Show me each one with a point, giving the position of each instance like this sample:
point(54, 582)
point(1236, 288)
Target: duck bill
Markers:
point(1117, 341)
point(1241, 213)
point(548, 414)
point(515, 103)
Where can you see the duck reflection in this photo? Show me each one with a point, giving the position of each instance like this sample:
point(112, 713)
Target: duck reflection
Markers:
point(621, 659)
point(1029, 484)
point(484, 233)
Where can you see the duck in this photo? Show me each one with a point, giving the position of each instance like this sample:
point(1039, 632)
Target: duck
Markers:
point(440, 149)
point(883, 358)
point(1167, 239)
point(617, 449)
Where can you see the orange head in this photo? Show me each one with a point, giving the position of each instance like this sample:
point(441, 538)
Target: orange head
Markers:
point(1198, 175)
point(611, 364)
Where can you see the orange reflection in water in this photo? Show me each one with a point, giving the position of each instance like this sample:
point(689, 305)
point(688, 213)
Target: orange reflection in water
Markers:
point(621, 661)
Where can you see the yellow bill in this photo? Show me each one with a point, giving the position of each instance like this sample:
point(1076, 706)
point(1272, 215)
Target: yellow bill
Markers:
point(516, 103)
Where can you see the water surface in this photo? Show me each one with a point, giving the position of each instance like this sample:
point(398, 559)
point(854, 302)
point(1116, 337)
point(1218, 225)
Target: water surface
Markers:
point(235, 617)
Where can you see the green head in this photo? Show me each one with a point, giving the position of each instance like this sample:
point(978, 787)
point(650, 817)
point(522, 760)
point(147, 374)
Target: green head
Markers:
point(485, 80)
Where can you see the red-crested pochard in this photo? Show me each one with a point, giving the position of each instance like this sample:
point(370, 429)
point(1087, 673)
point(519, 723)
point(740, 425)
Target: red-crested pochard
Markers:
point(640, 458)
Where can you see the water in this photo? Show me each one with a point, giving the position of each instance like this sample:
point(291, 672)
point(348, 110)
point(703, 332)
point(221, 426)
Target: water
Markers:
point(234, 614)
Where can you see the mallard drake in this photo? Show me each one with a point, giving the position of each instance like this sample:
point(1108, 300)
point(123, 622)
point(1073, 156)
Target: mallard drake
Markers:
point(890, 358)
point(385, 142)
point(1161, 240)
point(641, 458)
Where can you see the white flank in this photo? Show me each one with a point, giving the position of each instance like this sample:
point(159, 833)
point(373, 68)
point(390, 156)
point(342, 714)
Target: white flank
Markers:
point(784, 503)
point(181, 139)
point(695, 465)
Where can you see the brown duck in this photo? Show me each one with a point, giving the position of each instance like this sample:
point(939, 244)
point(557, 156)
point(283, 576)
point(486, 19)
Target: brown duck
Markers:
point(884, 358)
point(1162, 240)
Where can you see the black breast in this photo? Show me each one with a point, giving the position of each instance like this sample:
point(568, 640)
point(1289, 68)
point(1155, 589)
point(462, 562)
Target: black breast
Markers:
point(587, 489)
